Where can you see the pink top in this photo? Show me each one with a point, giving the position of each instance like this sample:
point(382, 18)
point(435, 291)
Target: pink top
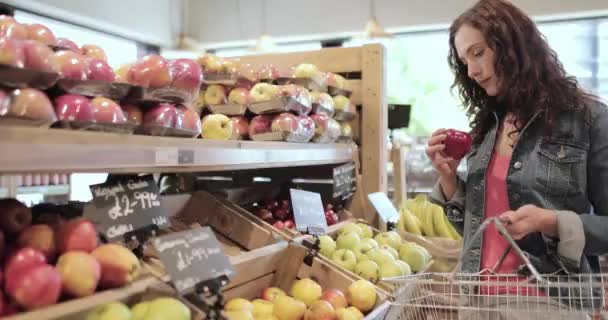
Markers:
point(494, 244)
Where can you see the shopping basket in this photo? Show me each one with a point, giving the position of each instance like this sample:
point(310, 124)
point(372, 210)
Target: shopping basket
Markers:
point(475, 296)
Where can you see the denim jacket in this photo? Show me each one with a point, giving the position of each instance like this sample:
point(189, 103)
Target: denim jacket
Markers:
point(566, 171)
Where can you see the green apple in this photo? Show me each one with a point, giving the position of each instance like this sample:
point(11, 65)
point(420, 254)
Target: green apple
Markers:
point(405, 267)
point(351, 227)
point(163, 308)
point(416, 256)
point(390, 250)
point(380, 256)
point(348, 240)
point(390, 238)
point(368, 270)
point(366, 229)
point(345, 258)
point(363, 248)
point(327, 245)
point(390, 269)
point(110, 311)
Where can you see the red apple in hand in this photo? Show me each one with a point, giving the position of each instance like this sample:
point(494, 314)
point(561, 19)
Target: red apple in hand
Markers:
point(150, 71)
point(457, 143)
point(41, 34)
point(11, 52)
point(106, 110)
point(100, 70)
point(73, 107)
point(67, 44)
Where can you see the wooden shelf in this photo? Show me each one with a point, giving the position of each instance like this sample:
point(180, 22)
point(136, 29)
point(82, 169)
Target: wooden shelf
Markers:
point(43, 150)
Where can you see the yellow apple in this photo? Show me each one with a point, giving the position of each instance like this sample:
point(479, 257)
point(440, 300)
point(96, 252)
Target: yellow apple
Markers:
point(288, 308)
point(366, 230)
point(348, 240)
point(239, 315)
point(345, 314)
point(306, 290)
point(368, 270)
point(361, 294)
point(415, 255)
point(216, 127)
point(327, 245)
point(262, 308)
point(238, 304)
point(351, 227)
point(358, 314)
point(271, 293)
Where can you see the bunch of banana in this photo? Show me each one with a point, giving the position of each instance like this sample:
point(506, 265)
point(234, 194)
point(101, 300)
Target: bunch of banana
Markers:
point(422, 217)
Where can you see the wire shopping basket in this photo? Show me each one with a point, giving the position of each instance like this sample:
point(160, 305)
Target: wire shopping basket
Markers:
point(458, 295)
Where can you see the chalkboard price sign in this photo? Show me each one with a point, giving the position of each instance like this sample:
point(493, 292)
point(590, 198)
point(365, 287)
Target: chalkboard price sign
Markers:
point(344, 181)
point(191, 257)
point(122, 206)
point(308, 212)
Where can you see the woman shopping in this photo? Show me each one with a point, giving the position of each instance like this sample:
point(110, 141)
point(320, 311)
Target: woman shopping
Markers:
point(539, 160)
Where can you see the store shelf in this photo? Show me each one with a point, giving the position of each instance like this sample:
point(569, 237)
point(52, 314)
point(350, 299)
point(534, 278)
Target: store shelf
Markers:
point(58, 190)
point(72, 151)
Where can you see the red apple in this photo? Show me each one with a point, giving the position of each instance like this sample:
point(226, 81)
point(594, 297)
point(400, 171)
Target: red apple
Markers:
point(41, 34)
point(22, 259)
point(98, 69)
point(77, 234)
point(187, 75)
point(271, 204)
point(264, 214)
point(191, 121)
point(271, 293)
point(285, 122)
point(133, 113)
point(306, 126)
point(73, 107)
point(67, 44)
point(457, 143)
point(279, 225)
point(240, 127)
point(10, 28)
point(285, 204)
point(8, 309)
point(335, 297)
point(108, 111)
point(40, 237)
point(260, 124)
point(14, 216)
point(32, 104)
point(71, 65)
point(36, 287)
point(39, 56)
point(11, 52)
point(150, 71)
point(93, 51)
point(280, 214)
point(163, 114)
point(290, 224)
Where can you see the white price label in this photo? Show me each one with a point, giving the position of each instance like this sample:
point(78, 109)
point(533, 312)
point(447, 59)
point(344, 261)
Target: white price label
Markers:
point(166, 157)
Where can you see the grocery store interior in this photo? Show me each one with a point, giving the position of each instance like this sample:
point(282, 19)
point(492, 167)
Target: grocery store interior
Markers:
point(242, 159)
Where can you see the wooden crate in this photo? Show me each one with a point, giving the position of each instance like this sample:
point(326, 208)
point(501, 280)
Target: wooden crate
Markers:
point(365, 68)
point(280, 265)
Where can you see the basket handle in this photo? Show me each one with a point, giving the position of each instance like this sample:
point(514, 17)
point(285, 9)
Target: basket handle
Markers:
point(503, 231)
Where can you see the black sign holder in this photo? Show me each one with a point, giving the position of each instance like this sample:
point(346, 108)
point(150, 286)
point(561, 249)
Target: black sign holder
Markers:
point(391, 226)
point(209, 298)
point(314, 247)
point(135, 240)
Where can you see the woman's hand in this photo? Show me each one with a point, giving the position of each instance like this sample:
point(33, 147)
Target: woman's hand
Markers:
point(529, 219)
point(444, 165)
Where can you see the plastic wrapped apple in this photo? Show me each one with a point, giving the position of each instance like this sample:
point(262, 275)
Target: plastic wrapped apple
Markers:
point(191, 120)
point(285, 122)
point(71, 65)
point(122, 73)
point(306, 127)
point(346, 131)
point(100, 70)
point(322, 103)
point(232, 66)
point(40, 57)
point(326, 129)
point(215, 94)
point(268, 72)
point(264, 92)
point(187, 76)
point(68, 44)
point(240, 128)
point(217, 127)
point(133, 113)
point(93, 51)
point(150, 71)
point(73, 107)
point(107, 111)
point(260, 124)
point(343, 104)
point(240, 96)
point(31, 104)
point(306, 70)
point(210, 63)
point(41, 34)
point(10, 28)
point(11, 52)
point(336, 81)
point(163, 115)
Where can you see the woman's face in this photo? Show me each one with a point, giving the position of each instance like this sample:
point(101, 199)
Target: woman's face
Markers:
point(474, 52)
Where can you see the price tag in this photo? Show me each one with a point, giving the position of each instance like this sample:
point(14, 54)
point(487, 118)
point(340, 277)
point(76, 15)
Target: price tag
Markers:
point(166, 157)
point(191, 257)
point(126, 205)
point(308, 212)
point(384, 207)
point(344, 181)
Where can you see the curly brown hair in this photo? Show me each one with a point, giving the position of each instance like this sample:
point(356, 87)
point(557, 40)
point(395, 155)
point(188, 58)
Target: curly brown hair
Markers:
point(531, 76)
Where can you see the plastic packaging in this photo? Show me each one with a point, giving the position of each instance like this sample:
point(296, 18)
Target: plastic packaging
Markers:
point(240, 128)
point(191, 121)
point(166, 119)
point(11, 52)
point(92, 88)
point(345, 110)
point(151, 71)
point(73, 107)
point(66, 44)
point(215, 94)
point(268, 73)
point(98, 69)
point(322, 103)
point(238, 100)
point(268, 98)
point(306, 127)
point(93, 51)
point(346, 132)
point(327, 130)
point(199, 103)
point(306, 75)
point(337, 85)
point(283, 127)
point(217, 70)
point(29, 107)
point(40, 57)
point(71, 65)
point(107, 115)
point(41, 33)
point(10, 28)
point(133, 113)
point(187, 77)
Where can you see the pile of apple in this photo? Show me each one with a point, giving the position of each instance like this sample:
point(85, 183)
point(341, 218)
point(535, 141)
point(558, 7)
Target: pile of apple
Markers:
point(45, 263)
point(278, 213)
point(306, 301)
point(373, 257)
point(162, 308)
